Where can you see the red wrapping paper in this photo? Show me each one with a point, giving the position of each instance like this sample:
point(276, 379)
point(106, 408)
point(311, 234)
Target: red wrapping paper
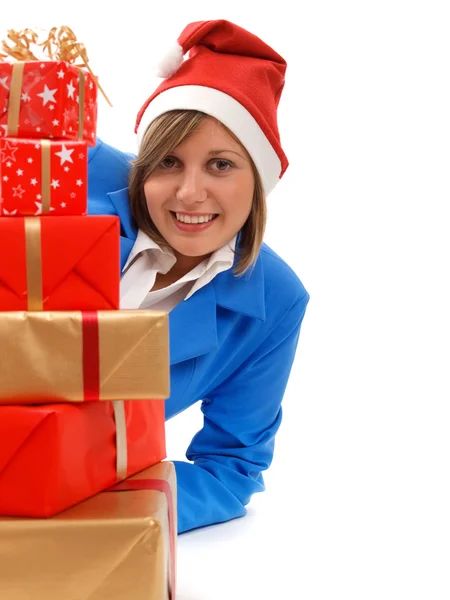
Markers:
point(56, 455)
point(43, 177)
point(79, 262)
point(48, 101)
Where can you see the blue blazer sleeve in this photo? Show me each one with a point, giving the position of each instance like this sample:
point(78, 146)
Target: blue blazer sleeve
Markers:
point(108, 171)
point(236, 443)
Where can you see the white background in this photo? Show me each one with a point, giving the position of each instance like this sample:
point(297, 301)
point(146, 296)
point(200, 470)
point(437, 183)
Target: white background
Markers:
point(358, 498)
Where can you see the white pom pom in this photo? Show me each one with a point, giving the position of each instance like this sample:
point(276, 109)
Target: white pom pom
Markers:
point(170, 62)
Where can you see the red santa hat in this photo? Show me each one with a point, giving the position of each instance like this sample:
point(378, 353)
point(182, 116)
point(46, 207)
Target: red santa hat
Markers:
point(229, 74)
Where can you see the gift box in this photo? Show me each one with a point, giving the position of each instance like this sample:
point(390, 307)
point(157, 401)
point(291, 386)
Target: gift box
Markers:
point(59, 263)
point(43, 177)
point(115, 546)
point(76, 356)
point(56, 455)
point(47, 99)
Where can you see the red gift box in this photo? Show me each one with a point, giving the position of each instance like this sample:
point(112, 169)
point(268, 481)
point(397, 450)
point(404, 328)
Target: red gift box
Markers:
point(56, 455)
point(47, 99)
point(59, 263)
point(43, 177)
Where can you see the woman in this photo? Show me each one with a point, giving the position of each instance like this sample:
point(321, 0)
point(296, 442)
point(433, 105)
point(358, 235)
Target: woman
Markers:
point(193, 222)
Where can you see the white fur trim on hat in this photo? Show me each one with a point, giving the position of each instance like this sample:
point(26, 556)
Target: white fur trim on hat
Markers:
point(170, 62)
point(228, 111)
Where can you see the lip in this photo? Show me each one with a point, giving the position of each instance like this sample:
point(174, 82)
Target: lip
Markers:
point(191, 214)
point(191, 227)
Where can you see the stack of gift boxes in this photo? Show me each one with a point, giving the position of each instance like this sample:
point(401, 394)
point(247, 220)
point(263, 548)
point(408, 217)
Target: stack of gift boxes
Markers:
point(82, 383)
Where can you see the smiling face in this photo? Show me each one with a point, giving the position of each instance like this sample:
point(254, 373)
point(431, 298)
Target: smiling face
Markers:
point(200, 195)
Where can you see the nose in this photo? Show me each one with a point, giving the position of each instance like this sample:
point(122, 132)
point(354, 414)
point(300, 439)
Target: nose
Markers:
point(191, 187)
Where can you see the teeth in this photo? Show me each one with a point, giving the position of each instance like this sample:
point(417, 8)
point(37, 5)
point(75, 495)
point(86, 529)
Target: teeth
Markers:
point(194, 218)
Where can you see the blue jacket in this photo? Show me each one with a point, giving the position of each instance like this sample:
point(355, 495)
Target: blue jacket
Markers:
point(232, 345)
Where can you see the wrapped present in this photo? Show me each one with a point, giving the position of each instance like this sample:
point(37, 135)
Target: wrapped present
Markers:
point(47, 99)
point(76, 356)
point(39, 177)
point(115, 546)
point(59, 263)
point(56, 455)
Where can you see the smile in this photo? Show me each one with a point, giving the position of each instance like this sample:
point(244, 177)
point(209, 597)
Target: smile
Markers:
point(193, 223)
point(184, 218)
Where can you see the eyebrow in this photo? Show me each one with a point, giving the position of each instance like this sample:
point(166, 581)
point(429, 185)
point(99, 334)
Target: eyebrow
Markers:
point(216, 152)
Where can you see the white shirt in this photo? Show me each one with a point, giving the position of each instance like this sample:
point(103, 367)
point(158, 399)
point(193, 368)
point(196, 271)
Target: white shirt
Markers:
point(147, 259)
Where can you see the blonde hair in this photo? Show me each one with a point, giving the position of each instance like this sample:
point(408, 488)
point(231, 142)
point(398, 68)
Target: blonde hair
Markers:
point(163, 135)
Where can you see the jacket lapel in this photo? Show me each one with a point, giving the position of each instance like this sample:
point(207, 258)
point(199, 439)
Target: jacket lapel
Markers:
point(193, 327)
point(193, 322)
point(243, 294)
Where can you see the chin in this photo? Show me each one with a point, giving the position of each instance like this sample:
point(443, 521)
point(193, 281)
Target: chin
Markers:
point(195, 253)
point(193, 250)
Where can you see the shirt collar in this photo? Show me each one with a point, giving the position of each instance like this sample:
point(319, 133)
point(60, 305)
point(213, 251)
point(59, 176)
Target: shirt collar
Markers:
point(144, 243)
point(166, 259)
point(220, 260)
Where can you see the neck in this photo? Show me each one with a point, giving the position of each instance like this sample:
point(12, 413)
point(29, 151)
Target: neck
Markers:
point(185, 264)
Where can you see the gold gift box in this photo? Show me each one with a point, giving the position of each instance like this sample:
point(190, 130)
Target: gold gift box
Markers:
point(114, 546)
point(72, 356)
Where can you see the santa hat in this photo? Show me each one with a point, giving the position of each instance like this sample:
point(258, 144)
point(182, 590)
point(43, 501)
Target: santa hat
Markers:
point(229, 74)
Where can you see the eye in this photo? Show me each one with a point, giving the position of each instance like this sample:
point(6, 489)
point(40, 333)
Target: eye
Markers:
point(168, 163)
point(220, 164)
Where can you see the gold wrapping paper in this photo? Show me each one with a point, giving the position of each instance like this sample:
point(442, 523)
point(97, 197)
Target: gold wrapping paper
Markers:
point(114, 546)
point(81, 86)
point(46, 173)
point(42, 356)
point(33, 235)
point(15, 94)
point(34, 262)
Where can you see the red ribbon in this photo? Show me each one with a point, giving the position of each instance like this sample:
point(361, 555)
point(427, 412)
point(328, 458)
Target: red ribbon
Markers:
point(130, 485)
point(91, 356)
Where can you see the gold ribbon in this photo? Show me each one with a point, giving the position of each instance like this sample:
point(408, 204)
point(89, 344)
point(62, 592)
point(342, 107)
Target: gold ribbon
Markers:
point(81, 88)
point(14, 98)
point(45, 176)
point(34, 262)
point(121, 439)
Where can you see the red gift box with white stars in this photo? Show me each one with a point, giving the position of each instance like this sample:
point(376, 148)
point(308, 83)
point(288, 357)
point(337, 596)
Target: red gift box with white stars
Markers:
point(42, 177)
point(47, 99)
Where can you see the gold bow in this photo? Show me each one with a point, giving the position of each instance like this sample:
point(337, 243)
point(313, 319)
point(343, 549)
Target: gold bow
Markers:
point(61, 44)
